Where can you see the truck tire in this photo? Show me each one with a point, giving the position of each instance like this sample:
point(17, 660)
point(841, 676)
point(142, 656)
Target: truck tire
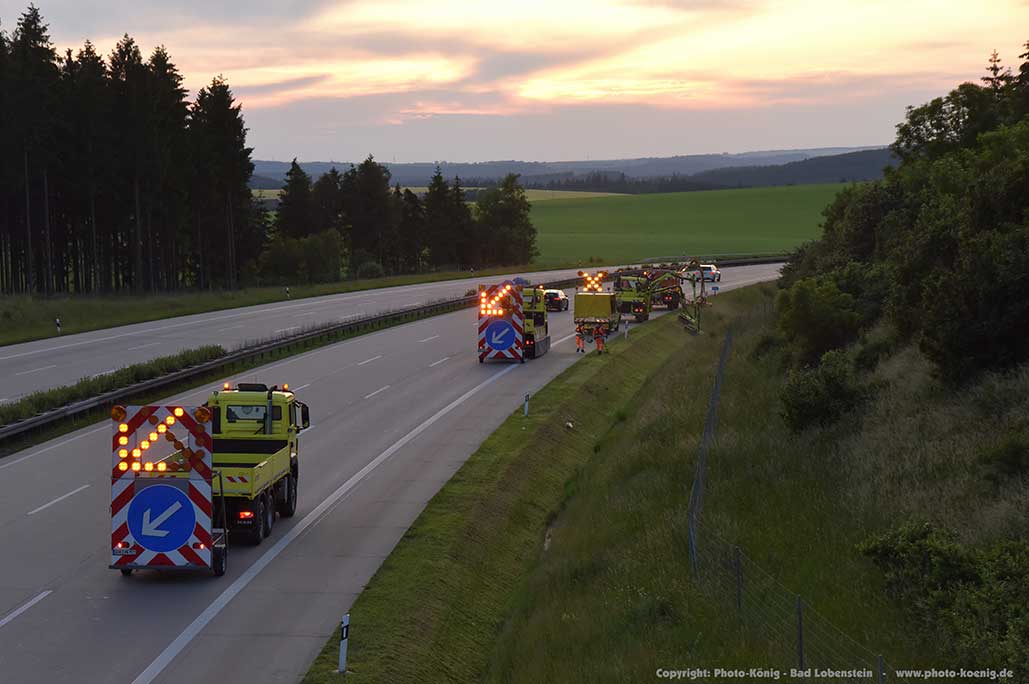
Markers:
point(257, 533)
point(289, 507)
point(219, 561)
point(125, 572)
point(269, 512)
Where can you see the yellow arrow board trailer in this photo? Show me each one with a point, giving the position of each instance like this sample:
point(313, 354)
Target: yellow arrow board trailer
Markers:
point(596, 313)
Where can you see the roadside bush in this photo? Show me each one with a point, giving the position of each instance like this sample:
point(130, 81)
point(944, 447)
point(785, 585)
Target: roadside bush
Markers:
point(816, 317)
point(47, 400)
point(819, 396)
point(370, 269)
point(971, 602)
point(313, 259)
point(1007, 460)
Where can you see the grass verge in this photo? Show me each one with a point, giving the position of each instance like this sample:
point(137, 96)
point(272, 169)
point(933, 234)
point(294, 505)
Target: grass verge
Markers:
point(24, 318)
point(467, 568)
point(60, 396)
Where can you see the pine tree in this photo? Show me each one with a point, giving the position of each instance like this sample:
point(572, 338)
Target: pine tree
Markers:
point(998, 76)
point(411, 233)
point(466, 236)
point(34, 85)
point(504, 212)
point(439, 236)
point(295, 217)
point(222, 165)
point(370, 211)
point(327, 202)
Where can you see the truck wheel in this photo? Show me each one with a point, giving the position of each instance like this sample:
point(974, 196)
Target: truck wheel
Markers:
point(257, 532)
point(125, 572)
point(269, 512)
point(289, 507)
point(219, 561)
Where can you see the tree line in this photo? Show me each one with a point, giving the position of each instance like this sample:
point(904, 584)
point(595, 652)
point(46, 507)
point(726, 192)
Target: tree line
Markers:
point(112, 179)
point(356, 222)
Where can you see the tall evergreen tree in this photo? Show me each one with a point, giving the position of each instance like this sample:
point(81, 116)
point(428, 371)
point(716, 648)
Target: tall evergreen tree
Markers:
point(295, 217)
point(439, 235)
point(222, 164)
point(34, 81)
point(410, 233)
point(128, 83)
point(327, 202)
point(465, 231)
point(369, 209)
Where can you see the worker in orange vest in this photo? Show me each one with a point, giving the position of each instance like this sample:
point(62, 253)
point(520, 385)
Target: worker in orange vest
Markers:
point(598, 335)
point(580, 343)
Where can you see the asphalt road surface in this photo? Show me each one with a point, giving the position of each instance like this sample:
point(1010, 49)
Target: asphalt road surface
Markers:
point(394, 415)
point(62, 360)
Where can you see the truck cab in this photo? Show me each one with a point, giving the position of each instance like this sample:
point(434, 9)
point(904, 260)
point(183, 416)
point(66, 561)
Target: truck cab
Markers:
point(537, 327)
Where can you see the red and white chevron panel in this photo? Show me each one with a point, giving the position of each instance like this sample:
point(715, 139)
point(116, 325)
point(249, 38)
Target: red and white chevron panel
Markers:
point(188, 436)
point(517, 320)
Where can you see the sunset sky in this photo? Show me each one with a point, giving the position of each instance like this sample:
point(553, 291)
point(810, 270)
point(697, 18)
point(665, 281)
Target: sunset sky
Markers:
point(559, 79)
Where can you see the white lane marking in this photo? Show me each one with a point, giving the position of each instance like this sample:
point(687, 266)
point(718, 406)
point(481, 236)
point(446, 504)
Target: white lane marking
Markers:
point(381, 389)
point(297, 389)
point(144, 346)
point(60, 498)
point(182, 640)
point(427, 339)
point(52, 447)
point(306, 313)
point(374, 358)
point(106, 372)
point(436, 363)
point(36, 370)
point(287, 329)
point(231, 327)
point(21, 609)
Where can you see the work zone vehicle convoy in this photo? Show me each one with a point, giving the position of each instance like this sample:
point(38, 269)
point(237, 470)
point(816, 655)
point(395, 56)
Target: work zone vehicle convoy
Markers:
point(184, 478)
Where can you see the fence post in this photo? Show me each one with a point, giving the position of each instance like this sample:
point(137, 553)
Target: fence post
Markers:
point(738, 567)
point(880, 670)
point(800, 632)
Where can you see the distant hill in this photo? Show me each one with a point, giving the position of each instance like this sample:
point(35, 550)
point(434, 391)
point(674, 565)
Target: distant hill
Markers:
point(853, 166)
point(418, 174)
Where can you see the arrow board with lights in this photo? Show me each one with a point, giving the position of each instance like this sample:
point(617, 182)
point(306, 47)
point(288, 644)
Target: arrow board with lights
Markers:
point(501, 322)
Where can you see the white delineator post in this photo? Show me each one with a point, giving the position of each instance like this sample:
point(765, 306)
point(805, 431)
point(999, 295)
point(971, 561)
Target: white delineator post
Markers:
point(344, 633)
point(526, 407)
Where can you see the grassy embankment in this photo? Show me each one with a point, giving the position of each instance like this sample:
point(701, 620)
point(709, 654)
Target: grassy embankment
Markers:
point(563, 557)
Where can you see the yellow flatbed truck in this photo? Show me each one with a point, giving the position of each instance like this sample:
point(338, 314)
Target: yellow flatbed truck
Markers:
point(256, 429)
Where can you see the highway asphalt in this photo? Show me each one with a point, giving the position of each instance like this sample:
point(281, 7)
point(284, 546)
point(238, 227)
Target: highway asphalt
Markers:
point(62, 360)
point(394, 413)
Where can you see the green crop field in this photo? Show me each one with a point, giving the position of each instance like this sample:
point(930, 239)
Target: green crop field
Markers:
point(626, 228)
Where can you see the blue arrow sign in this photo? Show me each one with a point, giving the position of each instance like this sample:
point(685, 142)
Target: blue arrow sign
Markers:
point(500, 335)
point(161, 518)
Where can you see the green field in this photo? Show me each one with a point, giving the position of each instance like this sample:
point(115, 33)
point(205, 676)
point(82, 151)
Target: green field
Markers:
point(627, 228)
point(533, 194)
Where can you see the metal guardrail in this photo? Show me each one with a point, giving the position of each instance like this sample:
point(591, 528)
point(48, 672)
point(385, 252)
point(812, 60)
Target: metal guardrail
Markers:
point(246, 353)
point(336, 329)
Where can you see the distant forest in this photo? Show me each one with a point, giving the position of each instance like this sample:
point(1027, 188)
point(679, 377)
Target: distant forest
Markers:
point(113, 181)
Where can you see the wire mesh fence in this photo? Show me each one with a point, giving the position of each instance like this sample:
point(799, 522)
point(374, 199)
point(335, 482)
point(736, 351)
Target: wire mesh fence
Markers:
point(795, 635)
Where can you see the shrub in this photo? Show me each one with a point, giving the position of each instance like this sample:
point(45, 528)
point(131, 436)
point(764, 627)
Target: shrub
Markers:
point(819, 396)
point(370, 269)
point(1007, 460)
point(816, 317)
point(971, 602)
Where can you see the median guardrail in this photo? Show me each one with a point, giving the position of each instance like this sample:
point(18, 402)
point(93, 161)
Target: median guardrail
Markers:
point(309, 336)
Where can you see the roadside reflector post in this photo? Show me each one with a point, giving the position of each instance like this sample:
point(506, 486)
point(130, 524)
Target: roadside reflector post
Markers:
point(344, 634)
point(526, 407)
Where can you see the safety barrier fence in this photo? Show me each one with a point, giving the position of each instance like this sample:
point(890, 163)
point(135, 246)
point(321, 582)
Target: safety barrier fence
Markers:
point(304, 338)
point(792, 634)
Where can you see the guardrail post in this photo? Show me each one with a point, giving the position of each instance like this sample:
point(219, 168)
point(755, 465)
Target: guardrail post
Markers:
point(344, 634)
point(800, 632)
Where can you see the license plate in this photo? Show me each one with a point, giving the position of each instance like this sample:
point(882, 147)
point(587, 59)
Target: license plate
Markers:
point(123, 552)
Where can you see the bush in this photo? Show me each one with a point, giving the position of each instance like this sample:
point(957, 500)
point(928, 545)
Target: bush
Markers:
point(370, 269)
point(1007, 460)
point(970, 602)
point(816, 317)
point(819, 396)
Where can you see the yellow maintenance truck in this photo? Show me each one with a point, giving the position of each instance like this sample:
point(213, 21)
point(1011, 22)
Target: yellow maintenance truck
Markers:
point(596, 310)
point(256, 448)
